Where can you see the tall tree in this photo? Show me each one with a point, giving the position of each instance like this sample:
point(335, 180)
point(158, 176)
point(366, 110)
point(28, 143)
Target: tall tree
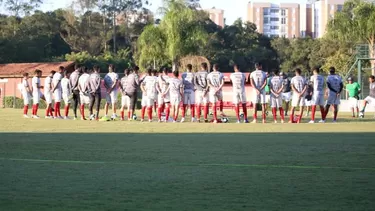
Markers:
point(356, 23)
point(21, 7)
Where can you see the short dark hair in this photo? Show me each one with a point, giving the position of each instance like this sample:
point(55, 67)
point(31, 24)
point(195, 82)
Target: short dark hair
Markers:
point(149, 71)
point(76, 66)
point(95, 68)
point(165, 70)
point(61, 68)
point(37, 71)
point(53, 72)
point(25, 74)
point(66, 74)
point(136, 68)
point(258, 65)
point(298, 71)
point(189, 66)
point(154, 71)
point(216, 66)
point(237, 66)
point(127, 71)
point(175, 73)
point(84, 69)
point(275, 71)
point(372, 77)
point(316, 69)
point(204, 65)
point(332, 70)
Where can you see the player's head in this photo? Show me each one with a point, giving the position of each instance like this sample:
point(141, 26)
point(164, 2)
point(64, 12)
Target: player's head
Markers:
point(76, 66)
point(165, 70)
point(298, 71)
point(282, 74)
point(84, 69)
point(258, 66)
point(332, 70)
point(96, 69)
point(267, 75)
point(154, 72)
point(350, 80)
point(111, 68)
point(149, 72)
point(316, 70)
point(26, 75)
point(61, 69)
point(371, 79)
point(275, 72)
point(36, 72)
point(66, 74)
point(189, 67)
point(175, 74)
point(127, 71)
point(216, 67)
point(204, 66)
point(136, 69)
point(236, 68)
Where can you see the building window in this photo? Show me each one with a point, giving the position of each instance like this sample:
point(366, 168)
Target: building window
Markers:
point(332, 7)
point(266, 20)
point(265, 11)
point(303, 33)
point(274, 10)
point(283, 12)
point(283, 20)
point(339, 7)
point(282, 30)
point(274, 19)
point(274, 27)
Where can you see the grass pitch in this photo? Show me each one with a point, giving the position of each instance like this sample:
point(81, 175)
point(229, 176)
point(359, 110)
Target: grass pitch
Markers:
point(76, 165)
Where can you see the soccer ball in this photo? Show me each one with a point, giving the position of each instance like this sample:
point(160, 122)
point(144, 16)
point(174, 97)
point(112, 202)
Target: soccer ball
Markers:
point(224, 120)
point(361, 115)
point(134, 117)
point(242, 115)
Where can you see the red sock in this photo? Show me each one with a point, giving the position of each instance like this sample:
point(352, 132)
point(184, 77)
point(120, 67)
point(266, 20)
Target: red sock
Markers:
point(55, 107)
point(47, 111)
point(255, 113)
point(149, 113)
point(292, 116)
point(205, 111)
point(83, 111)
point(300, 116)
point(282, 113)
point(25, 109)
point(163, 108)
point(199, 107)
point(33, 110)
point(322, 111)
point(159, 113)
point(313, 110)
point(67, 110)
point(274, 114)
point(128, 114)
point(183, 110)
point(221, 105)
point(36, 109)
point(57, 110)
point(215, 111)
point(192, 109)
point(167, 113)
point(122, 114)
point(237, 108)
point(244, 109)
point(143, 112)
point(264, 116)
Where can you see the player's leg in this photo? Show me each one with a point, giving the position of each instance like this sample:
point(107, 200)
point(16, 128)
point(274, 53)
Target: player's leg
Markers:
point(113, 95)
point(221, 103)
point(26, 101)
point(36, 100)
point(98, 98)
point(199, 105)
point(273, 108)
point(76, 102)
point(167, 111)
point(191, 101)
point(279, 105)
point(313, 101)
point(91, 106)
point(244, 107)
point(185, 102)
point(122, 110)
point(106, 106)
point(206, 108)
point(82, 107)
point(66, 108)
point(367, 100)
point(144, 105)
point(236, 103)
point(255, 101)
point(295, 100)
point(213, 100)
point(357, 107)
point(150, 103)
point(160, 107)
point(263, 103)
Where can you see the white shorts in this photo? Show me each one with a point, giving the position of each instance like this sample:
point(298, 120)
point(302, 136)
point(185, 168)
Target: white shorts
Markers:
point(353, 102)
point(333, 99)
point(125, 101)
point(307, 102)
point(200, 98)
point(295, 101)
point(370, 100)
point(268, 99)
point(111, 97)
point(317, 99)
point(85, 99)
point(189, 97)
point(215, 97)
point(57, 95)
point(48, 96)
point(66, 99)
point(261, 98)
point(286, 96)
point(276, 102)
point(147, 101)
point(36, 97)
point(26, 99)
point(239, 97)
point(175, 100)
point(162, 100)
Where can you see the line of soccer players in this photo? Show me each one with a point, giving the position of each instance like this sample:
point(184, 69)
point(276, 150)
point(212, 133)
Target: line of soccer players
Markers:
point(195, 90)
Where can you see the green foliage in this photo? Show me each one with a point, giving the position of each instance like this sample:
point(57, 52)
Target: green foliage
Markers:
point(11, 102)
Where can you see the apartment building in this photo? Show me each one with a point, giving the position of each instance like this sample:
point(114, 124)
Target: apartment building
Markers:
point(217, 16)
point(292, 19)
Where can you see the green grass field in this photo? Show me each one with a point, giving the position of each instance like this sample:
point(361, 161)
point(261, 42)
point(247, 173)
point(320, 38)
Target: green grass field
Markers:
point(83, 165)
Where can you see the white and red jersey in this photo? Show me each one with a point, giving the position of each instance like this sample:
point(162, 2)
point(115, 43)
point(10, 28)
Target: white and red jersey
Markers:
point(317, 84)
point(299, 83)
point(238, 82)
point(149, 84)
point(259, 77)
point(83, 82)
point(175, 87)
point(55, 81)
point(25, 85)
point(162, 82)
point(35, 83)
point(201, 80)
point(215, 78)
point(335, 82)
point(275, 83)
point(66, 88)
point(48, 84)
point(188, 80)
point(110, 79)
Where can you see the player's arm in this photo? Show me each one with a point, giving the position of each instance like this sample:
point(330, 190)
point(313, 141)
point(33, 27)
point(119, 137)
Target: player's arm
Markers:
point(341, 87)
point(158, 86)
point(182, 90)
point(252, 82)
point(143, 88)
point(58, 82)
point(304, 89)
point(347, 92)
point(264, 84)
point(28, 87)
point(330, 87)
point(97, 83)
point(222, 83)
point(281, 89)
point(80, 88)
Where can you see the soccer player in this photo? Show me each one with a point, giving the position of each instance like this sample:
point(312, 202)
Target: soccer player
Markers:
point(216, 82)
point(26, 94)
point(268, 93)
point(48, 94)
point(66, 93)
point(125, 100)
point(258, 81)
point(83, 87)
point(189, 92)
point(276, 88)
point(352, 94)
point(299, 87)
point(57, 91)
point(163, 97)
point(131, 88)
point(371, 98)
point(239, 96)
point(335, 86)
point(202, 87)
point(110, 83)
point(148, 87)
point(155, 74)
point(308, 97)
point(176, 93)
point(74, 77)
point(36, 92)
point(287, 92)
point(95, 92)
point(317, 99)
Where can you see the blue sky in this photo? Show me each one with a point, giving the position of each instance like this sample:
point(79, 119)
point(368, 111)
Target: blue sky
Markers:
point(233, 9)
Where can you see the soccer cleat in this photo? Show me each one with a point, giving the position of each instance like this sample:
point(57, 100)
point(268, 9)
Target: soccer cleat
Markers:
point(206, 120)
point(361, 115)
point(66, 117)
point(311, 122)
point(75, 118)
point(282, 121)
point(238, 122)
point(183, 119)
point(193, 119)
point(159, 120)
point(35, 117)
point(215, 121)
point(48, 117)
point(254, 121)
point(142, 120)
point(334, 121)
point(150, 120)
point(174, 121)
point(322, 121)
point(92, 117)
point(246, 121)
point(25, 116)
point(275, 121)
point(83, 119)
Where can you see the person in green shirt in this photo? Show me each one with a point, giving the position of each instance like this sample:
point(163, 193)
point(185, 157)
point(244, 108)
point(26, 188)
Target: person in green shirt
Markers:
point(352, 94)
point(267, 90)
